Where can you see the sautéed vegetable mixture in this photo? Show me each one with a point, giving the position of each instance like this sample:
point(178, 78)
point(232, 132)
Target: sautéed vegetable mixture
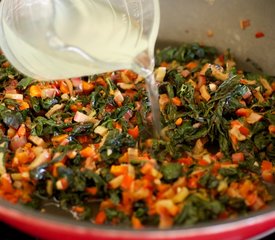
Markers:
point(87, 142)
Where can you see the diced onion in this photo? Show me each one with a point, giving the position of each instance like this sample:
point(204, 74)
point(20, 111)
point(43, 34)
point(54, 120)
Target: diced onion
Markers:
point(126, 86)
point(54, 109)
point(15, 96)
point(80, 117)
point(160, 74)
point(40, 159)
point(253, 118)
point(100, 130)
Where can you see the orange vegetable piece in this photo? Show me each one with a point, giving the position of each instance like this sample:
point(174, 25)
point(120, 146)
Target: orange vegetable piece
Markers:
point(134, 132)
point(203, 162)
point(87, 86)
point(23, 105)
point(124, 158)
point(100, 217)
point(127, 182)
point(179, 121)
point(244, 131)
point(266, 165)
point(147, 168)
point(91, 190)
point(130, 93)
point(216, 168)
point(126, 198)
point(246, 188)
point(119, 170)
point(56, 140)
point(35, 91)
point(101, 81)
point(243, 112)
point(219, 155)
point(136, 223)
point(251, 199)
point(163, 187)
point(118, 126)
point(201, 81)
point(75, 107)
point(23, 157)
point(192, 182)
point(22, 130)
point(78, 209)
point(87, 152)
point(234, 139)
point(164, 64)
point(186, 160)
point(191, 65)
point(176, 101)
point(271, 129)
point(237, 157)
point(63, 87)
point(268, 176)
point(6, 184)
point(204, 93)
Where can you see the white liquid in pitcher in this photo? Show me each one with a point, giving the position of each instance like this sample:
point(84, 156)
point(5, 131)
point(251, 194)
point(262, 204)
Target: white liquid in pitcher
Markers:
point(89, 38)
point(88, 29)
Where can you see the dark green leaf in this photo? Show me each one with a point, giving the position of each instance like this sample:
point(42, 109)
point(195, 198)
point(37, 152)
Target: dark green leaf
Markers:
point(171, 171)
point(24, 83)
point(12, 118)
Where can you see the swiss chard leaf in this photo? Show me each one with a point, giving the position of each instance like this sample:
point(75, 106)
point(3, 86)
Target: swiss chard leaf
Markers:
point(24, 83)
point(12, 118)
point(171, 171)
point(198, 209)
point(114, 144)
point(185, 53)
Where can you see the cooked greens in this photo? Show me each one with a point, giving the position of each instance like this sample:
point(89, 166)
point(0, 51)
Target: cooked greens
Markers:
point(87, 144)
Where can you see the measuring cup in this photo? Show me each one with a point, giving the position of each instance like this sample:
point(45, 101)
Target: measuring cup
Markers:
point(57, 39)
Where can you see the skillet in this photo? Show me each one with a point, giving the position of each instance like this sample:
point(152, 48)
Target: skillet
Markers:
point(188, 21)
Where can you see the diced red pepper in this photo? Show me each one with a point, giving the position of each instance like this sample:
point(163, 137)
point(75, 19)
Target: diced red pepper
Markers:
point(186, 160)
point(243, 112)
point(266, 165)
point(134, 132)
point(201, 81)
point(259, 34)
point(127, 182)
point(100, 217)
point(91, 190)
point(268, 176)
point(203, 162)
point(192, 182)
point(244, 131)
point(237, 157)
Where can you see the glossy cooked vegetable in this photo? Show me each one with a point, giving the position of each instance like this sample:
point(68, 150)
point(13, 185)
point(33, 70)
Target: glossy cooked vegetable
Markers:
point(86, 142)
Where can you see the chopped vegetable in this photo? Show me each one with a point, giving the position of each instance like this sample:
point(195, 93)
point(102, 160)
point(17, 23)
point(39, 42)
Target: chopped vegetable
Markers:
point(244, 23)
point(87, 140)
point(259, 34)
